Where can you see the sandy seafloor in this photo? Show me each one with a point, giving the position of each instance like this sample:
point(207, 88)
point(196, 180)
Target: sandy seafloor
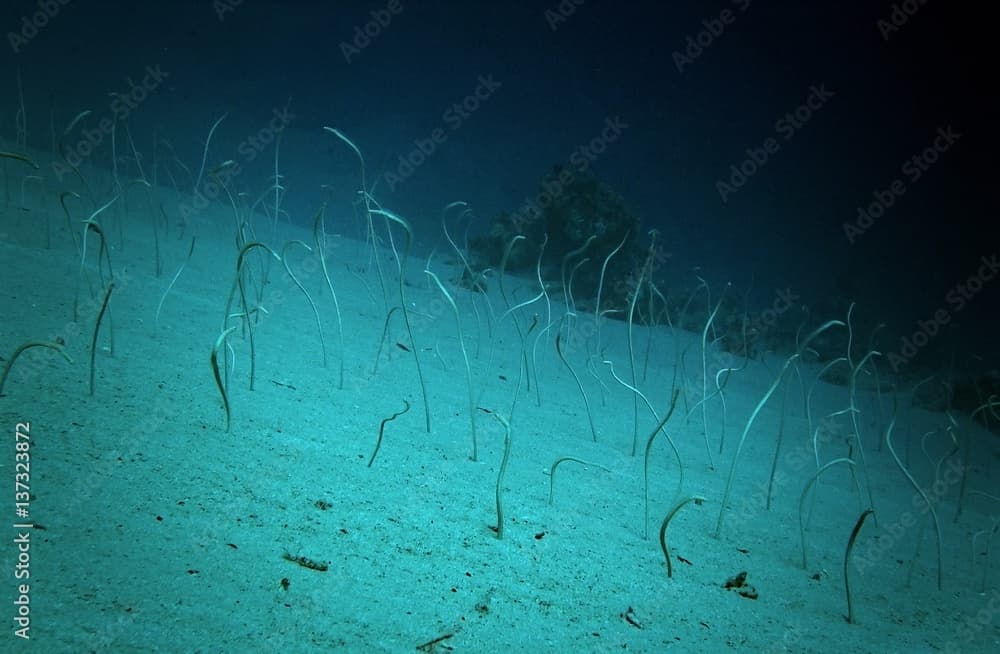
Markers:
point(158, 531)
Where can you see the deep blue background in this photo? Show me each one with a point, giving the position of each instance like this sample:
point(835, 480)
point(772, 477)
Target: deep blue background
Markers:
point(685, 129)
